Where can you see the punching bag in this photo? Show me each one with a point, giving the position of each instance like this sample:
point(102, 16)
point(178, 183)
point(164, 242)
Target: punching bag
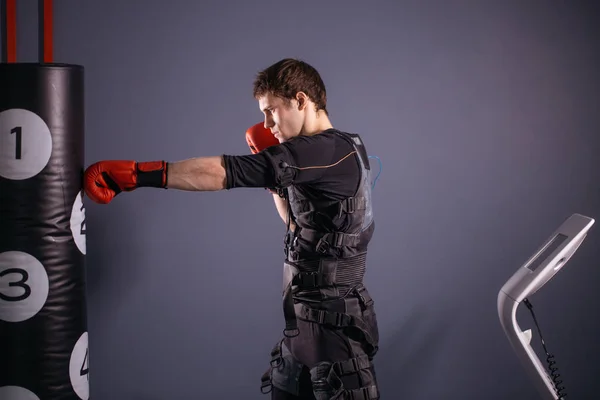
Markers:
point(43, 323)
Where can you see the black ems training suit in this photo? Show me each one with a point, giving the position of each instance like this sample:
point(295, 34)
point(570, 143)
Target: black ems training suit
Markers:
point(331, 330)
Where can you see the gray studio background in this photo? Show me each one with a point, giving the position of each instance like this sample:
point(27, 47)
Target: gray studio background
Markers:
point(485, 115)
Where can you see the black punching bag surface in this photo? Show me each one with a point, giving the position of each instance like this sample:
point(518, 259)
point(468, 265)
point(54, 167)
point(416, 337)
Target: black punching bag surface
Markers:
point(43, 321)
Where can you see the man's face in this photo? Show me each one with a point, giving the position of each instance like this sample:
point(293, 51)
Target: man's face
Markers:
point(284, 120)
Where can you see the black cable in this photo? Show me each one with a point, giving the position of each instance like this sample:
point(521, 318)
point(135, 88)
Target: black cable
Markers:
point(550, 358)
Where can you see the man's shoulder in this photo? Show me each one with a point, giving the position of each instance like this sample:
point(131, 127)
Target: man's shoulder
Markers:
point(344, 136)
point(330, 136)
point(337, 133)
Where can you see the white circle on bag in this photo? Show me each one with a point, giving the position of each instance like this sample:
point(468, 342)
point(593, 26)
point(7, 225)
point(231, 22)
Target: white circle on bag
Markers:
point(79, 368)
point(23, 286)
point(25, 144)
point(16, 393)
point(77, 222)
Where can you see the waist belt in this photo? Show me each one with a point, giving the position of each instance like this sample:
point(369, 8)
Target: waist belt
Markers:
point(349, 318)
point(341, 368)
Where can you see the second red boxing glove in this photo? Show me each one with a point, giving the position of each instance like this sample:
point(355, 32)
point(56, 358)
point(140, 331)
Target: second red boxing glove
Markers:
point(259, 138)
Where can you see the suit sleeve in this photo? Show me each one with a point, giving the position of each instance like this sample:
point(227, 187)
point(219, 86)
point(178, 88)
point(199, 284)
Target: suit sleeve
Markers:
point(302, 160)
point(249, 171)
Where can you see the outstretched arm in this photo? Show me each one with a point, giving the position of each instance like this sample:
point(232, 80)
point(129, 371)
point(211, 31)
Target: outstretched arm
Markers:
point(104, 180)
point(197, 174)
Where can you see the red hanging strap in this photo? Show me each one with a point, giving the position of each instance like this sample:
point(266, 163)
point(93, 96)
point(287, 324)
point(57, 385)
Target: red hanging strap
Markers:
point(10, 31)
point(9, 46)
point(46, 39)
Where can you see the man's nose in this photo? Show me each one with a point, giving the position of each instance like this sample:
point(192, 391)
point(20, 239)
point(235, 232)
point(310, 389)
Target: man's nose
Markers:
point(268, 123)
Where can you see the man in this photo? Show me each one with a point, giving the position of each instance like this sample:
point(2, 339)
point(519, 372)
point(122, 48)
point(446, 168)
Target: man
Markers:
point(320, 180)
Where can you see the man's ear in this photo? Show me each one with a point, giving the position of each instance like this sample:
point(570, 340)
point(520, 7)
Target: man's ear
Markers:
point(302, 100)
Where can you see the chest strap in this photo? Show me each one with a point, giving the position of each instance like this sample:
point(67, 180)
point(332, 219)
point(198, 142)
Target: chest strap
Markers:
point(327, 240)
point(348, 205)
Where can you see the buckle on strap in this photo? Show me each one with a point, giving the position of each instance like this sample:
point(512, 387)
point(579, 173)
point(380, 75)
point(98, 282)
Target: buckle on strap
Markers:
point(352, 204)
point(325, 317)
point(308, 279)
point(266, 385)
point(265, 382)
point(339, 320)
point(290, 239)
point(276, 358)
point(289, 313)
point(322, 245)
point(352, 365)
point(364, 393)
point(326, 240)
point(363, 295)
point(336, 240)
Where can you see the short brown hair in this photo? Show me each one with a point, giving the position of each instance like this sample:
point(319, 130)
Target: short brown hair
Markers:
point(289, 76)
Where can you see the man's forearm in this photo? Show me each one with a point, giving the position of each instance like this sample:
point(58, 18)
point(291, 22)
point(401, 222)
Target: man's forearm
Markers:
point(197, 174)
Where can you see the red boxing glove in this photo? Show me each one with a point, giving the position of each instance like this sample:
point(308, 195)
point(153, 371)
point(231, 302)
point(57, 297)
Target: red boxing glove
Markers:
point(259, 138)
point(104, 180)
